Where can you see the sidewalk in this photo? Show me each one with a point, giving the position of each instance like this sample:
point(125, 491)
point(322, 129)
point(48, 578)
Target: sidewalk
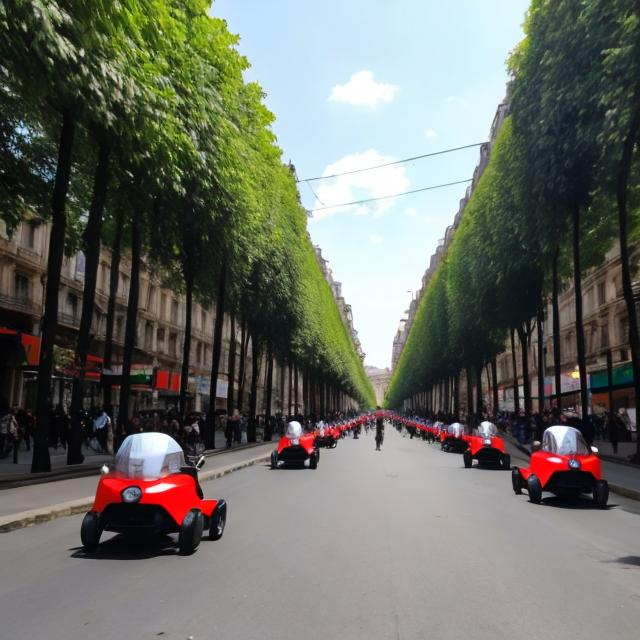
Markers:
point(24, 506)
point(623, 478)
point(12, 475)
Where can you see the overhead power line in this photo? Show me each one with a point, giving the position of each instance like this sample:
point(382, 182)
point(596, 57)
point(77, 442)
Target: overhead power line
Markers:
point(388, 164)
point(395, 195)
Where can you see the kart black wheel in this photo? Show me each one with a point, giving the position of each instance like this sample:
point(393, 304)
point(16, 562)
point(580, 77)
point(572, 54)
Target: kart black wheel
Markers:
point(468, 460)
point(90, 531)
point(535, 489)
point(516, 481)
point(190, 532)
point(274, 459)
point(601, 493)
point(506, 461)
point(313, 460)
point(218, 521)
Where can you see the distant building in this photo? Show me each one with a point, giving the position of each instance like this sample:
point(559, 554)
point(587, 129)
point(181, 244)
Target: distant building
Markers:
point(379, 381)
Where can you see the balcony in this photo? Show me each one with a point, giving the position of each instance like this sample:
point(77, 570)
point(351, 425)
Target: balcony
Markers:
point(69, 319)
point(23, 304)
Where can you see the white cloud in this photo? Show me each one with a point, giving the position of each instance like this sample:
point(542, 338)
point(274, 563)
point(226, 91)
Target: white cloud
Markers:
point(360, 186)
point(376, 239)
point(412, 212)
point(430, 133)
point(362, 89)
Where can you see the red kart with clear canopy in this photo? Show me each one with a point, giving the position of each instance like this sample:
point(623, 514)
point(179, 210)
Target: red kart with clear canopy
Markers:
point(563, 465)
point(151, 490)
point(487, 447)
point(296, 447)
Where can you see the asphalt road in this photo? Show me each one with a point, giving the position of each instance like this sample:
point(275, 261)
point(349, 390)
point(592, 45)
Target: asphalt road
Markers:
point(401, 544)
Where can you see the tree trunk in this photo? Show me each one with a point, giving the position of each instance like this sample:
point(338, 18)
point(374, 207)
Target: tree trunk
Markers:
point(296, 398)
point(540, 330)
point(555, 311)
point(514, 363)
point(282, 389)
point(186, 345)
point(218, 324)
point(253, 400)
point(577, 286)
point(91, 248)
point(523, 334)
point(242, 371)
point(130, 330)
point(469, 396)
point(41, 460)
point(290, 387)
point(114, 275)
point(494, 386)
point(479, 395)
point(622, 184)
point(231, 371)
point(456, 395)
point(269, 390)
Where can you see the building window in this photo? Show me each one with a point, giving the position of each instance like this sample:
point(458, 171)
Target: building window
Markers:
point(28, 235)
point(119, 328)
point(124, 285)
point(105, 277)
point(81, 263)
point(203, 319)
point(174, 311)
point(173, 345)
point(623, 330)
point(151, 298)
point(148, 336)
point(72, 305)
point(198, 352)
point(163, 307)
point(604, 337)
point(21, 287)
point(602, 294)
point(160, 340)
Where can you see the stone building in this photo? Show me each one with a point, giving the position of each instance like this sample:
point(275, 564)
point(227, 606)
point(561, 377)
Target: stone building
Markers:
point(379, 381)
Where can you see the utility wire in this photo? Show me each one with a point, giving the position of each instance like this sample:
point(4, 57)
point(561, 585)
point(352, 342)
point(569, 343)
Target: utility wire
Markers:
point(395, 195)
point(388, 164)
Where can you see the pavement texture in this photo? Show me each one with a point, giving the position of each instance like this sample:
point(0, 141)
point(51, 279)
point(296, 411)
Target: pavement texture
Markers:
point(399, 544)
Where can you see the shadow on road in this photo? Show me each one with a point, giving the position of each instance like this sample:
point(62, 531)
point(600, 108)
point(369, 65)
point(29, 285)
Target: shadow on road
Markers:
point(121, 547)
point(582, 502)
point(634, 561)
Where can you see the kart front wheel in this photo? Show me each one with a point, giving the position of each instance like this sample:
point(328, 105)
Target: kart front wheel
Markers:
point(506, 461)
point(190, 532)
point(313, 460)
point(274, 459)
point(468, 460)
point(218, 521)
point(90, 531)
point(516, 481)
point(601, 493)
point(535, 489)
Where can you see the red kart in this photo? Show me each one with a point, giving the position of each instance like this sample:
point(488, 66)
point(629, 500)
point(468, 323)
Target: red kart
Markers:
point(296, 448)
point(487, 447)
point(452, 438)
point(151, 490)
point(565, 466)
point(327, 436)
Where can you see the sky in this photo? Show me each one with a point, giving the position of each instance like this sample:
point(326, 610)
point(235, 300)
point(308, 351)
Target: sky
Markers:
point(357, 83)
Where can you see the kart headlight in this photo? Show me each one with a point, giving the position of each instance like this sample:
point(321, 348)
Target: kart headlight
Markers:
point(132, 494)
point(487, 442)
point(574, 464)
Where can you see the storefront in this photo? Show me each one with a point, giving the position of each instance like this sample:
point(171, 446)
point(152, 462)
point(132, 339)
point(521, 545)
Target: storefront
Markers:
point(621, 387)
point(20, 355)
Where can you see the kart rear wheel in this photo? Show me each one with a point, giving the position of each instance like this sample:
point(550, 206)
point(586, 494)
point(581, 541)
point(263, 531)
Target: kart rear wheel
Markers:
point(274, 459)
point(535, 489)
point(506, 461)
point(516, 481)
point(313, 460)
point(90, 531)
point(601, 493)
point(468, 460)
point(218, 521)
point(190, 532)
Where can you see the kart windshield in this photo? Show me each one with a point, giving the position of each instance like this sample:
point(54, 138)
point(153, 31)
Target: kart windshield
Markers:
point(456, 429)
point(294, 429)
point(149, 456)
point(487, 429)
point(564, 441)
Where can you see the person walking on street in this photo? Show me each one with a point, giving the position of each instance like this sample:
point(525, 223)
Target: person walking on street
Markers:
point(613, 428)
point(379, 428)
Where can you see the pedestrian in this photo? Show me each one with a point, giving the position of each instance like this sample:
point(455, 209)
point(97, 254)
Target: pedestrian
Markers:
point(613, 429)
point(5, 421)
point(101, 424)
point(379, 428)
point(15, 432)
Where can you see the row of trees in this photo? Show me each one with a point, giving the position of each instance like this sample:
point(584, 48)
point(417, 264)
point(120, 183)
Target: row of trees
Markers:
point(564, 164)
point(129, 123)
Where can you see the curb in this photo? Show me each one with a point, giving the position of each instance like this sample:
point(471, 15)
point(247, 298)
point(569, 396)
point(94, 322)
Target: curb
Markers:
point(633, 494)
point(87, 469)
point(81, 505)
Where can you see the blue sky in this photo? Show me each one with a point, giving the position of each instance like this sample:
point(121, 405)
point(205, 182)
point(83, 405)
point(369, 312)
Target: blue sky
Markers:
point(357, 82)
